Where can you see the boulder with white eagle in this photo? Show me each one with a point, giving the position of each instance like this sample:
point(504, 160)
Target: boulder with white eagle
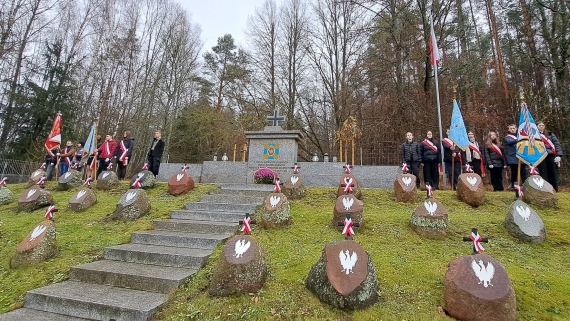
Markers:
point(82, 200)
point(539, 192)
point(430, 219)
point(107, 180)
point(132, 205)
point(470, 189)
point(6, 195)
point(347, 204)
point(405, 188)
point(294, 187)
point(39, 245)
point(240, 269)
point(145, 178)
point(180, 183)
point(349, 185)
point(70, 179)
point(33, 198)
point(524, 224)
point(277, 211)
point(36, 176)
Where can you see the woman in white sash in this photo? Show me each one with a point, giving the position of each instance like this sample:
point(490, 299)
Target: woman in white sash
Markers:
point(495, 161)
point(431, 158)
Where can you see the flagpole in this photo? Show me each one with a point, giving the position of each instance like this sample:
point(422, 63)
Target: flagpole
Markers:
point(440, 128)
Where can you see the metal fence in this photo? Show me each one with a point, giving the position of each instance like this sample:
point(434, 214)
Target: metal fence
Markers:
point(17, 171)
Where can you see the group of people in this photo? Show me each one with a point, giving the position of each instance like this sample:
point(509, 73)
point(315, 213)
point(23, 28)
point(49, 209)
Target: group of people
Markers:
point(108, 154)
point(492, 157)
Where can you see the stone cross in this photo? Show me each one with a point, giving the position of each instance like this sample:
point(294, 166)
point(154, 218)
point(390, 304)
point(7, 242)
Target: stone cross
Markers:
point(246, 228)
point(518, 191)
point(347, 187)
point(277, 184)
point(276, 118)
point(405, 168)
point(348, 224)
point(347, 168)
point(476, 239)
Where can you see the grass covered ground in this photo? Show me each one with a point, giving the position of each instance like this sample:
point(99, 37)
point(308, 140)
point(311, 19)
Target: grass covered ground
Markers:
point(410, 268)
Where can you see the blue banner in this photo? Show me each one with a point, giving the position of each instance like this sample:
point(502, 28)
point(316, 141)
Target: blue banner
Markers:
point(457, 131)
point(90, 144)
point(530, 148)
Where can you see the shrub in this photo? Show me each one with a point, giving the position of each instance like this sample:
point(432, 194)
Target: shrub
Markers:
point(264, 176)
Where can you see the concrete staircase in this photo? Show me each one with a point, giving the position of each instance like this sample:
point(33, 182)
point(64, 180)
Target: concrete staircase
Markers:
point(133, 280)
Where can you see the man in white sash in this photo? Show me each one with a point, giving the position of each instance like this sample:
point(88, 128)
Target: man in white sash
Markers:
point(548, 168)
point(512, 160)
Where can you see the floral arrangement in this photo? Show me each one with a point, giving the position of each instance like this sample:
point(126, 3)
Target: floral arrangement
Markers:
point(264, 176)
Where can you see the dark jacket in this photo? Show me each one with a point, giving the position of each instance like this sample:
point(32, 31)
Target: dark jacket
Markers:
point(411, 152)
point(511, 144)
point(158, 149)
point(447, 154)
point(428, 154)
point(492, 158)
point(51, 159)
point(555, 142)
point(129, 144)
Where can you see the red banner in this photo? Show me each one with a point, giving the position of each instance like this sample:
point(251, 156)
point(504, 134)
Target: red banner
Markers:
point(54, 138)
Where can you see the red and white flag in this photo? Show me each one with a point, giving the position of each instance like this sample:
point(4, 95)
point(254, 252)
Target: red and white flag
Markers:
point(145, 167)
point(87, 182)
point(42, 181)
point(277, 184)
point(246, 228)
point(433, 49)
point(477, 242)
point(137, 183)
point(43, 166)
point(54, 138)
point(347, 230)
point(3, 181)
point(49, 212)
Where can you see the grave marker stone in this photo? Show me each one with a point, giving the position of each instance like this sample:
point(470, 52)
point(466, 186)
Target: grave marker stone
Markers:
point(430, 218)
point(82, 200)
point(70, 179)
point(523, 223)
point(144, 179)
point(470, 189)
point(33, 198)
point(39, 245)
point(539, 192)
point(107, 180)
point(132, 205)
point(6, 195)
point(180, 183)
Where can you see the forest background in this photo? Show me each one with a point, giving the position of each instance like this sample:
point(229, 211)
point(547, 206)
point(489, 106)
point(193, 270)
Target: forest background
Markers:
point(141, 66)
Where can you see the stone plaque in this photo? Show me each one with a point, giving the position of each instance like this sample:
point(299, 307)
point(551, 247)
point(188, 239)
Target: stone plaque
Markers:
point(346, 266)
point(523, 223)
point(539, 192)
point(405, 188)
point(180, 183)
point(240, 249)
point(35, 237)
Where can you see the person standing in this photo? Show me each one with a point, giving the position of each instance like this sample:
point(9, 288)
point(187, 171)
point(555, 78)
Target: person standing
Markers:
point(93, 158)
point(50, 162)
point(65, 157)
point(451, 155)
point(548, 168)
point(495, 160)
point(79, 151)
point(106, 152)
point(155, 153)
point(473, 155)
point(512, 160)
point(411, 155)
point(430, 154)
point(123, 154)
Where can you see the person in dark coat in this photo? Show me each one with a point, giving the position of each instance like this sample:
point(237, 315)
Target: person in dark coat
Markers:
point(452, 155)
point(123, 154)
point(50, 162)
point(411, 155)
point(512, 160)
point(548, 168)
point(474, 155)
point(431, 156)
point(495, 160)
point(155, 153)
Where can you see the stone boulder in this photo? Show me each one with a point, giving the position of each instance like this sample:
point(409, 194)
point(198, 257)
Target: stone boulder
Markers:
point(477, 288)
point(294, 187)
point(349, 179)
point(240, 269)
point(277, 211)
point(430, 219)
point(539, 192)
point(83, 200)
point(33, 198)
point(470, 189)
point(180, 183)
point(405, 188)
point(132, 205)
point(35, 176)
point(523, 223)
point(70, 179)
point(39, 246)
point(347, 204)
point(6, 195)
point(107, 180)
point(147, 179)
point(344, 277)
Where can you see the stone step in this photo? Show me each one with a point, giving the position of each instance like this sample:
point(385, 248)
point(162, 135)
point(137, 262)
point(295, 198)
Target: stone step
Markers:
point(239, 192)
point(222, 207)
point(181, 239)
point(94, 301)
point(234, 199)
point(220, 216)
point(36, 315)
point(158, 255)
point(196, 226)
point(248, 187)
point(136, 276)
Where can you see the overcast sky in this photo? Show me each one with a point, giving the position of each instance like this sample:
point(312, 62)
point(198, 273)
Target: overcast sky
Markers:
point(218, 17)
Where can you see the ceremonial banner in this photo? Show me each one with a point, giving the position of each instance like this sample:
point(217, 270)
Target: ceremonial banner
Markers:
point(457, 131)
point(530, 147)
point(90, 144)
point(54, 138)
point(433, 49)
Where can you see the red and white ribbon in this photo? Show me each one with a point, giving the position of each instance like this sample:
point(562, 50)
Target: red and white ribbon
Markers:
point(43, 165)
point(49, 212)
point(50, 153)
point(125, 150)
point(3, 181)
point(429, 190)
point(145, 167)
point(477, 242)
point(497, 150)
point(184, 168)
point(246, 228)
point(87, 182)
point(110, 167)
point(548, 142)
point(533, 170)
point(42, 181)
point(468, 168)
point(430, 145)
point(404, 167)
point(277, 184)
point(295, 169)
point(108, 149)
point(75, 166)
point(137, 183)
point(347, 168)
point(519, 190)
point(347, 230)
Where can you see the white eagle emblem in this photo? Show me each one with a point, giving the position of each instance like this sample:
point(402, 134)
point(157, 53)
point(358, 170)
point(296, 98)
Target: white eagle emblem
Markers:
point(472, 180)
point(105, 174)
point(37, 232)
point(347, 202)
point(524, 212)
point(241, 248)
point(348, 180)
point(31, 192)
point(294, 179)
point(485, 274)
point(36, 173)
point(347, 261)
point(140, 175)
point(407, 180)
point(130, 196)
point(66, 175)
point(80, 194)
point(274, 200)
point(431, 207)
point(538, 181)
point(179, 177)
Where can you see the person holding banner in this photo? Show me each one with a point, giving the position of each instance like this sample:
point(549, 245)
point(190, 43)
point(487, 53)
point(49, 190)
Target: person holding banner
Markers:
point(511, 144)
point(548, 168)
point(123, 154)
point(50, 161)
point(495, 160)
point(474, 156)
point(430, 154)
point(453, 159)
point(106, 152)
point(65, 157)
point(412, 156)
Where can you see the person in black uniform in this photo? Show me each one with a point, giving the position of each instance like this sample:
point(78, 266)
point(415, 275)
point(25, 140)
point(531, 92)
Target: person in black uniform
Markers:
point(155, 153)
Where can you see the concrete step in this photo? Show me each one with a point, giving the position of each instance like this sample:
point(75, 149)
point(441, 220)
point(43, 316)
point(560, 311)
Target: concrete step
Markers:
point(196, 226)
point(158, 255)
point(220, 216)
point(222, 207)
point(94, 301)
point(248, 187)
point(181, 239)
point(36, 315)
point(238, 192)
point(235, 199)
point(136, 276)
